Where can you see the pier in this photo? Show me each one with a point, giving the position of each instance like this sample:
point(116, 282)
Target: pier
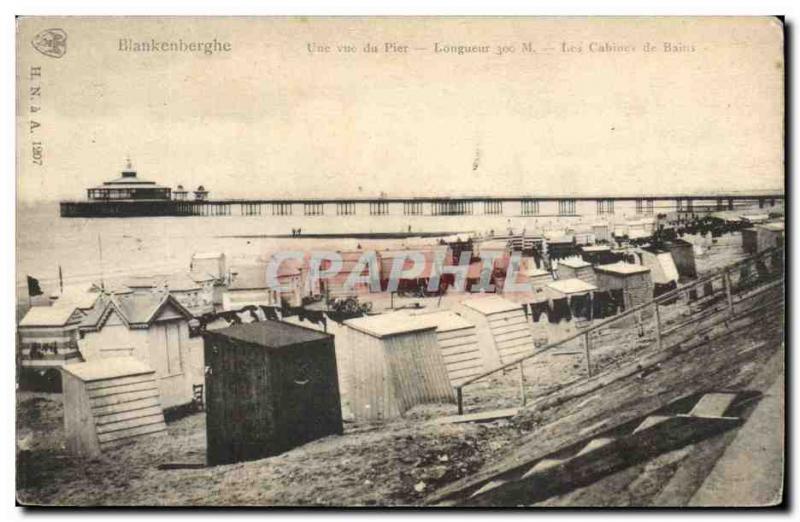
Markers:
point(511, 206)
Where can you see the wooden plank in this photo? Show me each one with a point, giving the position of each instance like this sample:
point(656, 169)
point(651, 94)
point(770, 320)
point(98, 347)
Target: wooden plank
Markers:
point(119, 407)
point(446, 344)
point(119, 381)
point(465, 356)
point(119, 390)
point(456, 334)
point(136, 431)
point(130, 423)
point(465, 348)
point(484, 416)
point(110, 400)
point(116, 417)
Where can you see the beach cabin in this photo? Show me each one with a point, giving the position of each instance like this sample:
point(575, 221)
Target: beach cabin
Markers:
point(48, 337)
point(390, 363)
point(663, 271)
point(336, 286)
point(683, 257)
point(109, 402)
point(270, 387)
point(632, 280)
point(578, 295)
point(576, 268)
point(538, 280)
point(154, 328)
point(762, 237)
point(248, 286)
point(502, 326)
point(561, 247)
point(196, 297)
point(598, 255)
point(419, 281)
point(458, 342)
point(211, 263)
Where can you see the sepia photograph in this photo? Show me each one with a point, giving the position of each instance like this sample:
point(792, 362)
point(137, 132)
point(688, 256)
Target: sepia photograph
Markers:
point(389, 262)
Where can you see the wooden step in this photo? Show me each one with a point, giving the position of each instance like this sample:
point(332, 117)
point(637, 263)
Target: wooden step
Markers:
point(713, 405)
point(488, 487)
point(594, 444)
point(542, 465)
point(651, 421)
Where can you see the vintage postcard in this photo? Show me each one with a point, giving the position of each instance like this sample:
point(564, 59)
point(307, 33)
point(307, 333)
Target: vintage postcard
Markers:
point(399, 261)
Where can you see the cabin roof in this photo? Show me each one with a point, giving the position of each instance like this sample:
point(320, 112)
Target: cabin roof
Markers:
point(143, 308)
point(572, 286)
point(445, 320)
point(108, 368)
point(573, 263)
point(394, 323)
point(248, 277)
point(621, 268)
point(596, 248)
point(48, 316)
point(78, 296)
point(491, 304)
point(774, 227)
point(272, 334)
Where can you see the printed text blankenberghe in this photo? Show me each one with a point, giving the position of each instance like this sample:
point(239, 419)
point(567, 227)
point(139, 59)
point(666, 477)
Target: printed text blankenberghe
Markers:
point(173, 46)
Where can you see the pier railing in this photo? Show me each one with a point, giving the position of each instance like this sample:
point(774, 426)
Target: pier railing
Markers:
point(721, 292)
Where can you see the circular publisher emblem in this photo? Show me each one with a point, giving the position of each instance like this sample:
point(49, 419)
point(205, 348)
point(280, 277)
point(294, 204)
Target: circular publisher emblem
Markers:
point(51, 42)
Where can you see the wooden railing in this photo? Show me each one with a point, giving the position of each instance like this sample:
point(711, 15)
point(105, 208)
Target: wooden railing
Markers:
point(774, 278)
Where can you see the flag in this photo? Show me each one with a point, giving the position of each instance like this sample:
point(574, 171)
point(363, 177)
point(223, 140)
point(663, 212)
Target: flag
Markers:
point(33, 287)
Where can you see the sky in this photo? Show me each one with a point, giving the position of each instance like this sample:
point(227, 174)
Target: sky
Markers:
point(270, 119)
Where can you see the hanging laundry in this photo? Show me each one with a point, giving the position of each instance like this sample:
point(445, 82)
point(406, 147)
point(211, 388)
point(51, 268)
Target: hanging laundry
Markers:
point(600, 305)
point(618, 297)
point(537, 309)
point(340, 317)
point(580, 306)
point(270, 312)
point(561, 311)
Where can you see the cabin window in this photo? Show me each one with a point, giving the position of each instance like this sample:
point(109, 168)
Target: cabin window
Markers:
point(379, 208)
point(530, 207)
point(492, 207)
point(345, 208)
point(566, 207)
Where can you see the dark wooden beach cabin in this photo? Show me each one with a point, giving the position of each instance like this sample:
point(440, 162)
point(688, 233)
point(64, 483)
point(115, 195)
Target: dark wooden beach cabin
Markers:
point(270, 386)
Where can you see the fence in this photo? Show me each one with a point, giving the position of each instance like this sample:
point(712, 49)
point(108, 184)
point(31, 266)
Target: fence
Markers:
point(714, 296)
